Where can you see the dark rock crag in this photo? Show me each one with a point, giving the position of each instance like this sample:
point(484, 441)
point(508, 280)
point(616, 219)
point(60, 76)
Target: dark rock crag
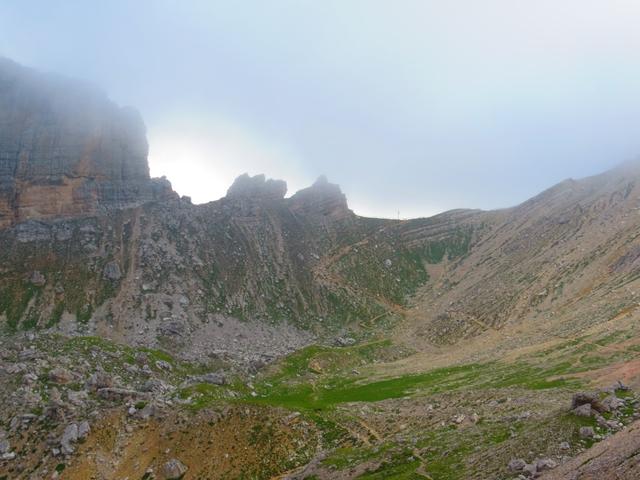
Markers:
point(66, 150)
point(322, 197)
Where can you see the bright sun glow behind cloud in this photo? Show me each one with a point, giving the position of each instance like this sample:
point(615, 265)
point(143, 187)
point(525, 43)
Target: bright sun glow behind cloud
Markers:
point(201, 159)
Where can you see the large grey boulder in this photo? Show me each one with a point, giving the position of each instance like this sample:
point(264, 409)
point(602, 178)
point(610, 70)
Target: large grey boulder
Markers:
point(174, 469)
point(587, 432)
point(69, 437)
point(213, 378)
point(60, 375)
point(100, 379)
point(517, 464)
point(591, 398)
point(84, 429)
point(544, 464)
point(5, 447)
point(112, 271)
point(583, 410)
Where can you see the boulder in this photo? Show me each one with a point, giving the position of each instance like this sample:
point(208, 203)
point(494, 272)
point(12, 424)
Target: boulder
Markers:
point(60, 375)
point(174, 469)
point(100, 379)
point(517, 464)
point(69, 437)
point(587, 432)
point(544, 464)
point(164, 365)
point(84, 429)
point(345, 341)
point(112, 271)
point(217, 378)
point(583, 410)
point(530, 470)
point(583, 398)
point(37, 279)
point(613, 403)
point(118, 394)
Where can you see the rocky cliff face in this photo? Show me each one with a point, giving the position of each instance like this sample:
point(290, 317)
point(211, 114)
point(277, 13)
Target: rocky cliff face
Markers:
point(66, 150)
point(249, 275)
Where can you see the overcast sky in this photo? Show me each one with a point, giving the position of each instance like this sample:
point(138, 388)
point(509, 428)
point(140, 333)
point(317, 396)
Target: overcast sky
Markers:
point(411, 106)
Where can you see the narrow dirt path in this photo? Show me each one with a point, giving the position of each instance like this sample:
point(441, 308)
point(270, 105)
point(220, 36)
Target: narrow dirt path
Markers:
point(372, 431)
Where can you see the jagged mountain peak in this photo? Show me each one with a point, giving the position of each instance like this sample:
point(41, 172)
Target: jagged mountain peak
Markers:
point(258, 186)
point(321, 197)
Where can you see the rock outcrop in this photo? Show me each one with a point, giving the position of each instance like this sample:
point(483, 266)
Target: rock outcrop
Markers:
point(257, 187)
point(322, 197)
point(66, 150)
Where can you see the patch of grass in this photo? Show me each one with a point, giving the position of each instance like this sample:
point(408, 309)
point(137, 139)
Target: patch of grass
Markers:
point(56, 315)
point(14, 302)
point(346, 457)
point(326, 393)
point(396, 469)
point(317, 359)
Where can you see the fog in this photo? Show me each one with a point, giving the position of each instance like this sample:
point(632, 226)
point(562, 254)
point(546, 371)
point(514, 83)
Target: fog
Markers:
point(411, 106)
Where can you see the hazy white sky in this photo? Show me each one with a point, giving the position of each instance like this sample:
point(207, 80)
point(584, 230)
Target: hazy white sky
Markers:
point(417, 106)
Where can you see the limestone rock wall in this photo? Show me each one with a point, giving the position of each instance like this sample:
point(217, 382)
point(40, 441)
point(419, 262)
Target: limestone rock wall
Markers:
point(66, 150)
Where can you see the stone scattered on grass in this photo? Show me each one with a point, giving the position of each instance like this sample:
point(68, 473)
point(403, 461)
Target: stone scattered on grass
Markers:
point(164, 365)
point(60, 375)
point(4, 446)
point(517, 464)
point(583, 410)
point(69, 437)
point(84, 429)
point(544, 464)
point(174, 469)
point(590, 398)
point(587, 432)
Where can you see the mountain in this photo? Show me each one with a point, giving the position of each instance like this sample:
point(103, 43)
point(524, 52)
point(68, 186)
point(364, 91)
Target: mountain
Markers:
point(570, 252)
point(266, 336)
point(115, 252)
point(67, 150)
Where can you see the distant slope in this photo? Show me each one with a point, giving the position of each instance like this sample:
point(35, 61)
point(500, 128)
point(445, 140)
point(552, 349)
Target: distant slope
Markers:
point(572, 252)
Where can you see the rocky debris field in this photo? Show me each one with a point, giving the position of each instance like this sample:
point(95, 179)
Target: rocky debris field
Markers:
point(84, 407)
